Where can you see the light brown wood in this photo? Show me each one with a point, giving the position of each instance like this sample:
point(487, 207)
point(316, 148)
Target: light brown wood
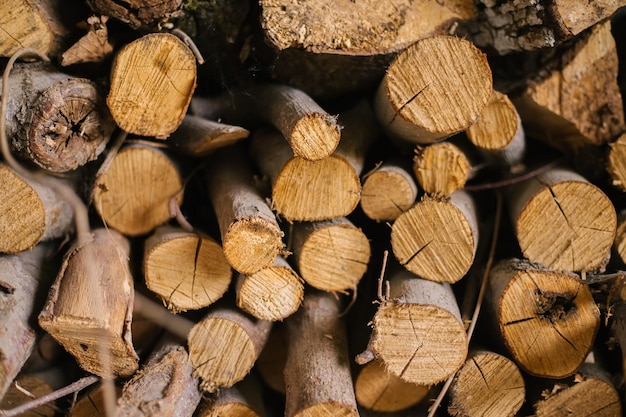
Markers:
point(37, 387)
point(330, 255)
point(186, 270)
point(433, 89)
point(224, 346)
point(388, 191)
point(22, 277)
point(89, 307)
point(199, 137)
point(152, 81)
point(251, 237)
point(498, 133)
point(272, 293)
point(94, 46)
point(30, 213)
point(547, 319)
point(137, 13)
point(404, 337)
point(317, 371)
point(55, 121)
point(441, 168)
point(488, 385)
point(616, 166)
point(132, 195)
point(91, 403)
point(579, 102)
point(358, 28)
point(619, 244)
point(437, 239)
point(244, 399)
point(379, 390)
point(562, 221)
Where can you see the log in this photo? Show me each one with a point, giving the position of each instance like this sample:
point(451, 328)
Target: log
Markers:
point(271, 362)
point(548, 320)
point(37, 387)
point(437, 239)
point(441, 168)
point(199, 137)
point(403, 336)
point(91, 403)
point(489, 385)
point(30, 213)
point(616, 166)
point(272, 293)
point(152, 81)
point(132, 195)
point(94, 46)
point(242, 399)
point(89, 307)
point(224, 346)
point(251, 237)
point(562, 221)
point(137, 13)
point(578, 102)
point(388, 191)
point(23, 277)
point(619, 244)
point(55, 121)
point(186, 270)
point(433, 89)
point(163, 386)
point(317, 371)
point(330, 255)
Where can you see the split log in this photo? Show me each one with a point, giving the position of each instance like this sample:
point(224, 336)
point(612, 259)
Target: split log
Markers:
point(242, 399)
point(55, 121)
point(403, 336)
point(94, 46)
point(388, 191)
point(90, 305)
point(91, 403)
point(510, 26)
point(132, 195)
point(317, 371)
point(441, 168)
point(330, 255)
point(224, 346)
point(271, 362)
point(186, 270)
point(272, 293)
point(163, 387)
point(36, 386)
point(30, 213)
point(200, 137)
point(488, 385)
point(377, 389)
point(548, 319)
point(152, 81)
point(251, 237)
point(498, 133)
point(437, 239)
point(22, 277)
point(562, 221)
point(616, 165)
point(578, 103)
point(137, 13)
point(433, 89)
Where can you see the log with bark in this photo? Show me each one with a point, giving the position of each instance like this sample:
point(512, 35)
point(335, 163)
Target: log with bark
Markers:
point(137, 13)
point(388, 191)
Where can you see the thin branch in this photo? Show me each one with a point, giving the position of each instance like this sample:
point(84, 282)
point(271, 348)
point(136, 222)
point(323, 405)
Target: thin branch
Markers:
point(514, 180)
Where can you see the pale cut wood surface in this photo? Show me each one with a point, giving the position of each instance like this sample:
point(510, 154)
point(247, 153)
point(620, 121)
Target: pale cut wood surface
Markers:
point(616, 164)
point(244, 399)
point(441, 168)
point(387, 192)
point(433, 89)
point(186, 270)
point(37, 387)
point(548, 319)
point(152, 81)
point(199, 137)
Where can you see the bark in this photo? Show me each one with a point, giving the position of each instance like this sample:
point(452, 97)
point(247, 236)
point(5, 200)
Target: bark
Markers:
point(388, 191)
point(94, 46)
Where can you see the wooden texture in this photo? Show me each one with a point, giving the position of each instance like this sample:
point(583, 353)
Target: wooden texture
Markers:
point(548, 319)
point(433, 89)
point(137, 13)
point(251, 237)
point(94, 46)
point(437, 239)
point(152, 81)
point(244, 399)
point(224, 346)
point(186, 270)
point(388, 191)
point(270, 365)
point(441, 168)
point(91, 403)
point(317, 371)
point(30, 213)
point(330, 255)
point(199, 137)
point(562, 221)
point(89, 307)
point(24, 279)
point(132, 194)
point(272, 293)
point(56, 121)
point(578, 102)
point(488, 385)
point(36, 387)
point(616, 162)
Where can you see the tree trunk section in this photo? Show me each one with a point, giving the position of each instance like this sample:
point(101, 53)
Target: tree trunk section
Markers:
point(137, 13)
point(441, 168)
point(388, 191)
point(616, 163)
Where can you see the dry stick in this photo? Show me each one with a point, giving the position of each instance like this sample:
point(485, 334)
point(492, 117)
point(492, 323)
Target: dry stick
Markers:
point(136, 13)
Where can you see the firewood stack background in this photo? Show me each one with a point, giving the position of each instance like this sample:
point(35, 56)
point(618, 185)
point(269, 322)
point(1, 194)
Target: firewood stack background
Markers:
point(342, 208)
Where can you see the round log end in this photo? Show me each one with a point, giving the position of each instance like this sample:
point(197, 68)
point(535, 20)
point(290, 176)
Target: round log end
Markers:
point(315, 136)
point(497, 126)
point(251, 244)
point(328, 408)
point(387, 193)
point(617, 162)
point(441, 168)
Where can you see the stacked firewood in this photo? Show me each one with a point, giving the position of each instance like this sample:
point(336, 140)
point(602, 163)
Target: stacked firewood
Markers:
point(313, 208)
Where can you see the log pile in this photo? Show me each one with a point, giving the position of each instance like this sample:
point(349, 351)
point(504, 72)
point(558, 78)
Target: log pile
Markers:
point(313, 208)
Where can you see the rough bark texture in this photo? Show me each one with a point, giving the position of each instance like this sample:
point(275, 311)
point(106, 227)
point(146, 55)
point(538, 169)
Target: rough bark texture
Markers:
point(137, 13)
point(616, 164)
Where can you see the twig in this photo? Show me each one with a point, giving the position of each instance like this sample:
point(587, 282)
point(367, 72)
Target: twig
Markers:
point(189, 42)
point(382, 298)
point(55, 395)
point(514, 180)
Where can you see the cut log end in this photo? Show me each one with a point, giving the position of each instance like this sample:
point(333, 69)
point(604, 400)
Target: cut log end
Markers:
point(387, 193)
point(328, 409)
point(251, 244)
point(441, 168)
point(315, 136)
point(230, 409)
point(497, 126)
point(617, 162)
